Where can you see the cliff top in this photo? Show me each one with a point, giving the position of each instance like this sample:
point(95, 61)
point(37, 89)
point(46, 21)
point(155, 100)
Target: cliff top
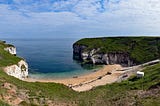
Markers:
point(5, 44)
point(141, 49)
point(144, 91)
point(5, 57)
point(116, 43)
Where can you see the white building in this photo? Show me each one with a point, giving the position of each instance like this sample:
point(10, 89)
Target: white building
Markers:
point(140, 74)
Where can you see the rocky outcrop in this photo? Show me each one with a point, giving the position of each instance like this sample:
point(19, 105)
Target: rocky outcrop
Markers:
point(19, 70)
point(78, 52)
point(93, 56)
point(11, 50)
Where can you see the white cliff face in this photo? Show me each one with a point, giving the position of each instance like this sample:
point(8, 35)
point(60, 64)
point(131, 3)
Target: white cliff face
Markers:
point(85, 55)
point(11, 50)
point(19, 70)
point(93, 56)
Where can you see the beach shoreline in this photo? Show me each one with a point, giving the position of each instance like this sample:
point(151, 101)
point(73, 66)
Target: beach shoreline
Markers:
point(107, 74)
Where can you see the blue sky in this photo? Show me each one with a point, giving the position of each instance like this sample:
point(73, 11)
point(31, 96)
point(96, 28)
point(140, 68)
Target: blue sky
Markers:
point(78, 18)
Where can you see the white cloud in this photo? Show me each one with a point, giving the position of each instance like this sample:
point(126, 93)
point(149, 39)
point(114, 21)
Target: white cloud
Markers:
point(81, 18)
point(87, 8)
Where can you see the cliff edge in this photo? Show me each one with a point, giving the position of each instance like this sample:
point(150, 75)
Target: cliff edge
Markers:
point(11, 50)
point(127, 51)
point(11, 64)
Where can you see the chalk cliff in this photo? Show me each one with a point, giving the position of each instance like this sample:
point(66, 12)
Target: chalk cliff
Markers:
point(94, 57)
point(127, 51)
point(19, 70)
point(11, 50)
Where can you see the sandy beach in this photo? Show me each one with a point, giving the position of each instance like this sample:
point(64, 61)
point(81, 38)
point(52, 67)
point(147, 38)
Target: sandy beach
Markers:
point(108, 74)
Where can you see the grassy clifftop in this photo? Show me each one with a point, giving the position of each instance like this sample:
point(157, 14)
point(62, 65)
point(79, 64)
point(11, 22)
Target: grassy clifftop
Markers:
point(136, 92)
point(5, 57)
point(141, 49)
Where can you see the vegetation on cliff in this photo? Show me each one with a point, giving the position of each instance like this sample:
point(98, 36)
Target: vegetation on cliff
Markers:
point(145, 91)
point(140, 49)
point(5, 57)
point(6, 45)
point(138, 92)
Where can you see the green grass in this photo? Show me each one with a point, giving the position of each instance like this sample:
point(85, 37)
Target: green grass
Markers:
point(113, 94)
point(46, 89)
point(6, 58)
point(140, 49)
point(5, 44)
point(124, 91)
point(3, 104)
point(116, 94)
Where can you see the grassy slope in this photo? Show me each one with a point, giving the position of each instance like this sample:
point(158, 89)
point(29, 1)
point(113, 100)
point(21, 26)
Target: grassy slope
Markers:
point(47, 90)
point(3, 104)
point(114, 94)
point(141, 49)
point(6, 58)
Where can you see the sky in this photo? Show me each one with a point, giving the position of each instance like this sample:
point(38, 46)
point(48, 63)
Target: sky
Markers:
point(78, 18)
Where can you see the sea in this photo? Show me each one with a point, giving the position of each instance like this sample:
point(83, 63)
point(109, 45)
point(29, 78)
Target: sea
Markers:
point(50, 58)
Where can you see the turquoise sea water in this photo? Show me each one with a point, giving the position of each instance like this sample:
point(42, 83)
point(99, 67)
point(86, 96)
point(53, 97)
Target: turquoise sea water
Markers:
point(50, 58)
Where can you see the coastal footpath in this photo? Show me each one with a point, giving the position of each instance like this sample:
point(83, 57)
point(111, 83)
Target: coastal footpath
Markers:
point(16, 66)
